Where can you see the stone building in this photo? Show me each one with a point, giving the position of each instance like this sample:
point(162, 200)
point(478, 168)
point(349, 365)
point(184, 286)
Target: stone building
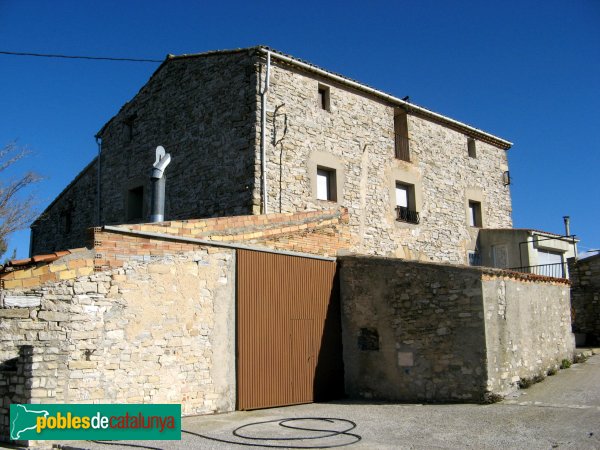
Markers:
point(353, 224)
point(417, 185)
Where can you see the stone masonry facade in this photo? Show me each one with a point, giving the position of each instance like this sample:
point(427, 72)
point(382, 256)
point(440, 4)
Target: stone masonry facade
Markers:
point(355, 136)
point(147, 332)
point(206, 111)
point(201, 110)
point(585, 298)
point(436, 332)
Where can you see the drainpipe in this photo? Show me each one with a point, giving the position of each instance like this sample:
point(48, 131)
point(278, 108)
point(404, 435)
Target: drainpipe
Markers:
point(158, 184)
point(98, 173)
point(263, 132)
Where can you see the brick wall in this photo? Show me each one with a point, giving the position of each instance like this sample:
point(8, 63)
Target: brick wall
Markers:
point(585, 298)
point(323, 233)
point(317, 232)
point(36, 274)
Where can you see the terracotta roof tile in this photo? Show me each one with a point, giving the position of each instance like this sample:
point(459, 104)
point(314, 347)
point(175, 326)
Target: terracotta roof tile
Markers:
point(20, 262)
point(44, 258)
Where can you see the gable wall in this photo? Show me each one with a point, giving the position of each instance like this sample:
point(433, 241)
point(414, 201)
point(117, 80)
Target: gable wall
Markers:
point(202, 111)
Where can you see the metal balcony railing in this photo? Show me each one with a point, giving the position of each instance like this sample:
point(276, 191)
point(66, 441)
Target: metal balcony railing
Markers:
point(407, 215)
point(401, 147)
point(556, 270)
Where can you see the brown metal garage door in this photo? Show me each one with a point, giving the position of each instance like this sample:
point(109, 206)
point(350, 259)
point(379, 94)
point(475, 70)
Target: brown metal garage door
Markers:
point(288, 330)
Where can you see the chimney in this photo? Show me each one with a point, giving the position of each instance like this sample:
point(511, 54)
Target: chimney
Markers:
point(158, 184)
point(567, 220)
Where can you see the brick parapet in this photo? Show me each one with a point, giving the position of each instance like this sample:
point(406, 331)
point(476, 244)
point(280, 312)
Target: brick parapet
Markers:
point(321, 233)
point(36, 275)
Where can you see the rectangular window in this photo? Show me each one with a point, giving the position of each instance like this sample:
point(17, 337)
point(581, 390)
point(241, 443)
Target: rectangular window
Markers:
point(128, 129)
point(401, 144)
point(402, 195)
point(135, 203)
point(405, 203)
point(66, 218)
point(323, 93)
point(471, 148)
point(326, 189)
point(474, 214)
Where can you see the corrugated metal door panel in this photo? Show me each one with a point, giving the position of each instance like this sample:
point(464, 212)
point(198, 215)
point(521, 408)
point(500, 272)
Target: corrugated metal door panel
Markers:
point(302, 359)
point(284, 304)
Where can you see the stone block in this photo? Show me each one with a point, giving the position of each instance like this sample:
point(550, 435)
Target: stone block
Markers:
point(14, 313)
point(31, 282)
point(53, 316)
point(67, 275)
point(85, 271)
point(83, 364)
point(12, 284)
point(23, 301)
point(21, 274)
point(57, 267)
point(51, 335)
point(159, 268)
point(85, 287)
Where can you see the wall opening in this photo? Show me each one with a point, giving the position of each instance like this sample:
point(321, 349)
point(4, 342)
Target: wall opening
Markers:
point(135, 203)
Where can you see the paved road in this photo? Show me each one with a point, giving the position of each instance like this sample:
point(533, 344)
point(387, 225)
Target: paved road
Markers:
point(562, 412)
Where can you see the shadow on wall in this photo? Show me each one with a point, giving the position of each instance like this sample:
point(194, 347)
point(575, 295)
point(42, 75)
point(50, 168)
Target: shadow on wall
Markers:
point(329, 373)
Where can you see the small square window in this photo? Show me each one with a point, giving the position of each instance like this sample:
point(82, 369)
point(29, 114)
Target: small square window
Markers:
point(471, 148)
point(323, 94)
point(326, 188)
point(475, 214)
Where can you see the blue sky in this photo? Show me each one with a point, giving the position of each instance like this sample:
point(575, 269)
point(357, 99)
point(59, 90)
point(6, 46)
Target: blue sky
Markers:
point(527, 71)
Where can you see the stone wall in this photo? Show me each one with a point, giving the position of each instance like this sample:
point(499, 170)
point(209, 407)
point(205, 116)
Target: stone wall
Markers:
point(65, 221)
point(355, 136)
point(433, 332)
point(201, 109)
point(585, 298)
point(427, 324)
point(15, 384)
point(528, 329)
point(159, 331)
